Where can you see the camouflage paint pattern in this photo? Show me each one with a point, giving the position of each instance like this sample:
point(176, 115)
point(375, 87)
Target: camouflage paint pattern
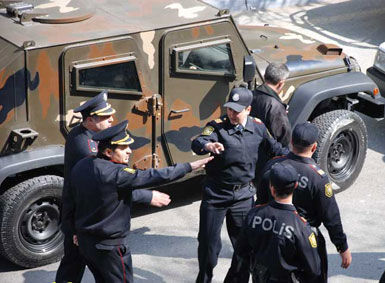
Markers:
point(37, 91)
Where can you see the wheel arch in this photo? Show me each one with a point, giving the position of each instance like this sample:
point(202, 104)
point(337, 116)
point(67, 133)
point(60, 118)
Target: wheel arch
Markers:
point(309, 95)
point(31, 163)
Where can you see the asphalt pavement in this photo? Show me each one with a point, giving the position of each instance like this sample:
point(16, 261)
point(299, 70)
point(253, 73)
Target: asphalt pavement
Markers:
point(163, 241)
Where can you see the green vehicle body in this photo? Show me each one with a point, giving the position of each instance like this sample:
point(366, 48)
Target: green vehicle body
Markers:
point(168, 68)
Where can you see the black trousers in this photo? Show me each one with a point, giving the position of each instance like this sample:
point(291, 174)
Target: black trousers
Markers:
point(72, 265)
point(321, 248)
point(108, 264)
point(209, 237)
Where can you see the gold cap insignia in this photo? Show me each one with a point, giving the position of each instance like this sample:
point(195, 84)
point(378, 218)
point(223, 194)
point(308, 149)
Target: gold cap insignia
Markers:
point(313, 240)
point(328, 190)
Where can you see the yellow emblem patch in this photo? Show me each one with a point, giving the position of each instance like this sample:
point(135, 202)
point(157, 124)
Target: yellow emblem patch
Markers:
point(130, 170)
point(207, 131)
point(328, 190)
point(313, 240)
point(218, 121)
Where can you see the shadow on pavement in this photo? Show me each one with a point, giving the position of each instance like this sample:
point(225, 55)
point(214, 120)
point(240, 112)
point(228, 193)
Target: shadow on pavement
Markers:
point(368, 266)
point(360, 20)
point(181, 194)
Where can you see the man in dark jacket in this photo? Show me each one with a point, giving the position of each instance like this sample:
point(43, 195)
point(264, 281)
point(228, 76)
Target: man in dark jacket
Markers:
point(314, 198)
point(278, 243)
point(235, 141)
point(268, 106)
point(103, 187)
point(97, 116)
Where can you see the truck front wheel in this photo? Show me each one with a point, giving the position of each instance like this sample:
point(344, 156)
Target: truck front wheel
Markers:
point(342, 145)
point(30, 218)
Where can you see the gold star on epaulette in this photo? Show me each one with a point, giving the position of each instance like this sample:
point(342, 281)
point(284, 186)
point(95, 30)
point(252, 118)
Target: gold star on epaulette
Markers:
point(218, 121)
point(313, 240)
point(130, 170)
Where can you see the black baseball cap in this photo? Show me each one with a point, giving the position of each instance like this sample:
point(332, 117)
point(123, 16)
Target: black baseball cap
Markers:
point(239, 99)
point(96, 106)
point(283, 176)
point(305, 134)
point(114, 135)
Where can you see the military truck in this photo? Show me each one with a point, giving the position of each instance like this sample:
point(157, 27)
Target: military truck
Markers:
point(168, 67)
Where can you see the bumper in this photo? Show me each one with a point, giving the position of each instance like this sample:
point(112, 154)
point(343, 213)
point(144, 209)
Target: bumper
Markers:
point(378, 78)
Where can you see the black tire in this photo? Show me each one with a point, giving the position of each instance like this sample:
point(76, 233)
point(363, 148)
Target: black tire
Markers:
point(30, 218)
point(342, 145)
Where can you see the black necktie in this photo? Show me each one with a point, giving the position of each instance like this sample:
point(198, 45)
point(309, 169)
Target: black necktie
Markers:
point(239, 128)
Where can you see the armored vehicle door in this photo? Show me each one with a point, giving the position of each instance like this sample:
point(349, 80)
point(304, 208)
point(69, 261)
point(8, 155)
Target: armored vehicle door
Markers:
point(114, 65)
point(200, 66)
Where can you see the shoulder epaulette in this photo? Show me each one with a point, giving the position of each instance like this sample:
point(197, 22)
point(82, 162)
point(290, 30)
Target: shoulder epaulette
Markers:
point(318, 170)
point(258, 121)
point(279, 156)
point(260, 205)
point(300, 217)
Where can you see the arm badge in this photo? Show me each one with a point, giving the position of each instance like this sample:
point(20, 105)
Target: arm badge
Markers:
point(328, 190)
point(208, 131)
point(313, 240)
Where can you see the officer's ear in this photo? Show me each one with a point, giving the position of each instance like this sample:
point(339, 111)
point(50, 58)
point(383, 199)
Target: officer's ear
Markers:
point(248, 109)
point(314, 147)
point(108, 152)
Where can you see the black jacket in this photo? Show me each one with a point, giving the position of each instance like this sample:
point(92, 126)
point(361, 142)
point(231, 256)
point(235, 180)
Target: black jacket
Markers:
point(79, 144)
point(103, 195)
point(268, 107)
point(237, 163)
point(274, 236)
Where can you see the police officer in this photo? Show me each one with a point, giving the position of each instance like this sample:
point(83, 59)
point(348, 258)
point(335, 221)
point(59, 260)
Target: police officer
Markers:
point(275, 239)
point(314, 198)
point(234, 140)
point(103, 188)
point(97, 116)
point(268, 106)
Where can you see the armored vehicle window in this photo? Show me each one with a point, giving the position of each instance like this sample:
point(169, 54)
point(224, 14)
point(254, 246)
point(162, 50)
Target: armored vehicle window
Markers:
point(215, 59)
point(108, 74)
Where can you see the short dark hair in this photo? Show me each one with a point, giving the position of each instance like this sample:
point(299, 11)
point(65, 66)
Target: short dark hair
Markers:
point(276, 72)
point(284, 192)
point(102, 146)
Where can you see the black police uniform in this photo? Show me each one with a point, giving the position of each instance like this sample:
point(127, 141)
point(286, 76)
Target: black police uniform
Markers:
point(268, 107)
point(314, 201)
point(277, 243)
point(103, 194)
point(227, 190)
point(79, 144)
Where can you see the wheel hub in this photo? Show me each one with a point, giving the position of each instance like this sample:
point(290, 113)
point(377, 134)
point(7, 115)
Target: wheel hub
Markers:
point(341, 153)
point(40, 222)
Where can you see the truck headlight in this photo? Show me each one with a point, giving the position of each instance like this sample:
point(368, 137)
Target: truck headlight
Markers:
point(379, 61)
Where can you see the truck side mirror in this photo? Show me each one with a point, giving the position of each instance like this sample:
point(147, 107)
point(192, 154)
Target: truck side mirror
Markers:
point(249, 67)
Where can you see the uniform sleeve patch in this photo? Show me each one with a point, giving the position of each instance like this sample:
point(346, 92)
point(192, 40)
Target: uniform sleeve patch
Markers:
point(313, 240)
point(208, 130)
point(129, 170)
point(318, 170)
point(328, 190)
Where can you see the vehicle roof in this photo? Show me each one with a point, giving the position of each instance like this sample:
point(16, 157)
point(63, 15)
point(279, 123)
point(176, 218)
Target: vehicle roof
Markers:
point(103, 18)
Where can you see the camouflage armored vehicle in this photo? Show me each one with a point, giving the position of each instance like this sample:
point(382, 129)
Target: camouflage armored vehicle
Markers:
point(168, 67)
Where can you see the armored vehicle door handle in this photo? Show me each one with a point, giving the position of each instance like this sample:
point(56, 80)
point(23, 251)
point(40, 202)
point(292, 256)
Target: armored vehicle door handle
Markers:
point(180, 111)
